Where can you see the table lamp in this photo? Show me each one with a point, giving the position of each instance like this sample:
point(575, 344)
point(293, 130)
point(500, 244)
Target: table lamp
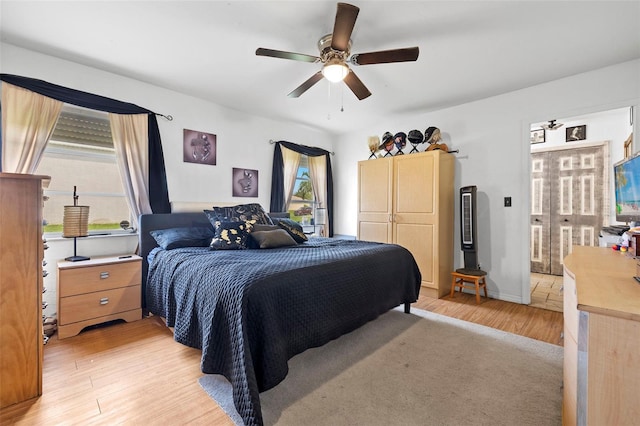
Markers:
point(75, 223)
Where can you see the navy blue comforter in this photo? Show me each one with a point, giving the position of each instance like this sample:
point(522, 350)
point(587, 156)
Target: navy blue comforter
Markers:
point(250, 311)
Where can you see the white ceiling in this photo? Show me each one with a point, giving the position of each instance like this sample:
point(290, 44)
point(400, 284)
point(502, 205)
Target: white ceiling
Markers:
point(469, 50)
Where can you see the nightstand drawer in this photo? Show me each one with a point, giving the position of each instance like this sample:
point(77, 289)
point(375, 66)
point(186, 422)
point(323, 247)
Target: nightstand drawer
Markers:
point(98, 304)
point(100, 277)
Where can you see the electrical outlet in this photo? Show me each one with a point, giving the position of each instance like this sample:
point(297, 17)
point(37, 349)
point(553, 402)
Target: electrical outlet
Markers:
point(507, 201)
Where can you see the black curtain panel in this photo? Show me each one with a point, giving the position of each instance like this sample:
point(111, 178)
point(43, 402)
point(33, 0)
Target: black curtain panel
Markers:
point(158, 189)
point(277, 177)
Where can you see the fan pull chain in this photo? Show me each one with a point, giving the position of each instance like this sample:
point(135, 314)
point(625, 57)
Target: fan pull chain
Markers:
point(328, 101)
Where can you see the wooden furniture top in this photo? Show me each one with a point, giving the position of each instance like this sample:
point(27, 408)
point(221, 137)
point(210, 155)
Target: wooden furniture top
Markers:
point(604, 281)
point(45, 179)
point(97, 261)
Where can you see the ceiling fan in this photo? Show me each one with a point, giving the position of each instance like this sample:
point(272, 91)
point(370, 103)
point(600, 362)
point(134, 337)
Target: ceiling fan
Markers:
point(552, 125)
point(335, 53)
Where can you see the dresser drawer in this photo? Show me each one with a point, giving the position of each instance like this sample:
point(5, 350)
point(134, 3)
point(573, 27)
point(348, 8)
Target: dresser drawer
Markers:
point(87, 279)
point(98, 304)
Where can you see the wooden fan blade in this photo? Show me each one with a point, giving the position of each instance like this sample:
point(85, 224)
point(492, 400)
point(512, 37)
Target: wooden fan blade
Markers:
point(357, 87)
point(343, 27)
point(286, 55)
point(306, 85)
point(386, 56)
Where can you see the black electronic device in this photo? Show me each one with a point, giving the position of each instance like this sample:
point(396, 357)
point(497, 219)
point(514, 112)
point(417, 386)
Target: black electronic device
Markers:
point(468, 226)
point(616, 229)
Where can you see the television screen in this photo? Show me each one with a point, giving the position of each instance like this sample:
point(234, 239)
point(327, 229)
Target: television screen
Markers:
point(627, 186)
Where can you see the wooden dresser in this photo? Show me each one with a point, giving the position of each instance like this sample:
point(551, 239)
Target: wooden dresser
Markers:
point(98, 290)
point(21, 255)
point(601, 338)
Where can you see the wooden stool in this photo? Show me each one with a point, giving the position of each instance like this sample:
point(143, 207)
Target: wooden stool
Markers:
point(469, 278)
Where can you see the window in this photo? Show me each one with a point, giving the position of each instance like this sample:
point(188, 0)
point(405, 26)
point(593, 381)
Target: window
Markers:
point(302, 203)
point(81, 153)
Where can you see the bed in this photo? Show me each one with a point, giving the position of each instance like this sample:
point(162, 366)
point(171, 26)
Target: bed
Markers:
point(250, 311)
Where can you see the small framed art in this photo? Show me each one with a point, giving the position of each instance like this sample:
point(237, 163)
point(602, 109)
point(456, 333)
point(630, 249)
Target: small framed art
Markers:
point(537, 136)
point(576, 133)
point(199, 147)
point(245, 182)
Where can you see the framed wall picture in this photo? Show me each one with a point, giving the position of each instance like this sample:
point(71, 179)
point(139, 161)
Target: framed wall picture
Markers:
point(537, 136)
point(576, 133)
point(245, 182)
point(199, 147)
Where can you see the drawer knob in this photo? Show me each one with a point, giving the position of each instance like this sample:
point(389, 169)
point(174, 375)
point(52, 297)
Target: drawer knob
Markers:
point(104, 300)
point(104, 275)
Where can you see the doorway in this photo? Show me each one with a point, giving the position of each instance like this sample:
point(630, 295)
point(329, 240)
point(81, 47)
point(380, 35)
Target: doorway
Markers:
point(614, 130)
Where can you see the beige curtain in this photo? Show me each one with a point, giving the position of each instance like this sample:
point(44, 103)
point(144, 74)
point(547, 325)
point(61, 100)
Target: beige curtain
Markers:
point(28, 120)
point(291, 160)
point(130, 139)
point(318, 174)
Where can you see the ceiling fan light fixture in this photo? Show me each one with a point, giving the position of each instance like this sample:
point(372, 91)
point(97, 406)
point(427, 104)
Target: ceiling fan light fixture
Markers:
point(335, 71)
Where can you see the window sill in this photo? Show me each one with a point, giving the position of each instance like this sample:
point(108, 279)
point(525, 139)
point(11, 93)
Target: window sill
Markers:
point(56, 236)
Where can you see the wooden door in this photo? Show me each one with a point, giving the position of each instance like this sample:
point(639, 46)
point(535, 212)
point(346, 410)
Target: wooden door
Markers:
point(375, 209)
point(568, 203)
point(415, 211)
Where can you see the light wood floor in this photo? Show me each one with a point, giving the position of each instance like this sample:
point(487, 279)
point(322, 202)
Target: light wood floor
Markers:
point(134, 373)
point(546, 291)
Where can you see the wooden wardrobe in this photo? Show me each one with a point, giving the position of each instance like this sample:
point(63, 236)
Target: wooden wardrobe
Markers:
point(21, 255)
point(409, 200)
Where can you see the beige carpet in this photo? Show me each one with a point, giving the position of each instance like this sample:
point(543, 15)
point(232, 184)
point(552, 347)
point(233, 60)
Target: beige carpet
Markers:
point(418, 369)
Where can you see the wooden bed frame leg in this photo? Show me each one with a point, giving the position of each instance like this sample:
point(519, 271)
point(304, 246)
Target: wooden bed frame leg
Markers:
point(407, 307)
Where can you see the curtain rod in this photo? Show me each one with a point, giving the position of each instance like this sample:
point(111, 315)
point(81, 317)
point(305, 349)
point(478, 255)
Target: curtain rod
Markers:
point(271, 141)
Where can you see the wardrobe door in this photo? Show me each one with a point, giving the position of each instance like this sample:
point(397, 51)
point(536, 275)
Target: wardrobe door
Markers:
point(415, 215)
point(375, 180)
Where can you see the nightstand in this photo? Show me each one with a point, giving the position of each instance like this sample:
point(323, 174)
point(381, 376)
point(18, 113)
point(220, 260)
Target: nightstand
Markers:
point(98, 290)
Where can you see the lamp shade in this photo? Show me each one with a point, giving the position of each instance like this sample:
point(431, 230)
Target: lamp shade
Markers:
point(75, 222)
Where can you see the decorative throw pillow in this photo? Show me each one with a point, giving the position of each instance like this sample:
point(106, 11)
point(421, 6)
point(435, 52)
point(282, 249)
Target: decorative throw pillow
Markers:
point(294, 229)
point(183, 237)
point(272, 239)
point(231, 235)
point(241, 212)
point(262, 227)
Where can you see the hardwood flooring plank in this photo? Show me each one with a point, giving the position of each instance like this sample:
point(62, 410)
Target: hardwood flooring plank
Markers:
point(135, 373)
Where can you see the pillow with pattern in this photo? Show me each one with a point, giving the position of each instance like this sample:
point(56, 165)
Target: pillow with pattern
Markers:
point(272, 239)
point(294, 229)
point(183, 237)
point(231, 235)
point(241, 212)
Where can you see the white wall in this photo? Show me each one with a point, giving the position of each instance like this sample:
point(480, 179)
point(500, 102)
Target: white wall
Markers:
point(492, 136)
point(242, 141)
